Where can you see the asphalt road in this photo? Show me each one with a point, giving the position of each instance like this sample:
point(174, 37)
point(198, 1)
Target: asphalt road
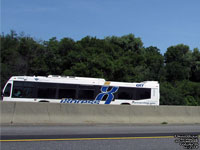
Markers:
point(96, 137)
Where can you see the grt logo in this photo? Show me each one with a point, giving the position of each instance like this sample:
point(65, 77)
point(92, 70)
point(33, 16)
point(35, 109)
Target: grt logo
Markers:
point(139, 85)
point(104, 91)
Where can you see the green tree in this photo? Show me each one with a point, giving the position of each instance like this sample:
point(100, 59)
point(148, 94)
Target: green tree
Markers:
point(178, 62)
point(170, 95)
point(52, 58)
point(155, 63)
point(127, 42)
point(9, 57)
point(113, 58)
point(195, 68)
point(190, 91)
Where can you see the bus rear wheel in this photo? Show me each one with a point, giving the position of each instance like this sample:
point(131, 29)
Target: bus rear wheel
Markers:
point(125, 104)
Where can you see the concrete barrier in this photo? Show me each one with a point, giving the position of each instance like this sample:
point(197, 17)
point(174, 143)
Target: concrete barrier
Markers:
point(7, 112)
point(56, 113)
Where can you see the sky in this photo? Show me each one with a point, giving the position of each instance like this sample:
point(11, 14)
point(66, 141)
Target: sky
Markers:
point(160, 23)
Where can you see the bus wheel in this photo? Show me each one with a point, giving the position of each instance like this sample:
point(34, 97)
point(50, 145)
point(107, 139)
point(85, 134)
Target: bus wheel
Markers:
point(125, 104)
point(44, 101)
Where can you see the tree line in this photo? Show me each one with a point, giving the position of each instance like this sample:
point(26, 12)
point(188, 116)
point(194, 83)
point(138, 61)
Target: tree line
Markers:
point(114, 58)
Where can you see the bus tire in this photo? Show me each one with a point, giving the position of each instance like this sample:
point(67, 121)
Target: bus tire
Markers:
point(125, 104)
point(44, 101)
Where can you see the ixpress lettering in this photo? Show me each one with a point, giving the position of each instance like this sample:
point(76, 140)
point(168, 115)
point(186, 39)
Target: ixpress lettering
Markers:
point(76, 101)
point(99, 97)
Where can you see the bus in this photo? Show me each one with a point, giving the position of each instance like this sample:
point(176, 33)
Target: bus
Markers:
point(80, 90)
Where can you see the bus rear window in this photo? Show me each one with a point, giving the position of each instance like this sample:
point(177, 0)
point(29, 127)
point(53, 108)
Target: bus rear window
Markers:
point(7, 90)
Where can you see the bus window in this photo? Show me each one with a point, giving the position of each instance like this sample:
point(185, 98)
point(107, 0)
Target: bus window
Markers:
point(143, 93)
point(47, 93)
point(29, 89)
point(125, 93)
point(67, 93)
point(23, 89)
point(46, 90)
point(7, 90)
point(86, 92)
point(17, 92)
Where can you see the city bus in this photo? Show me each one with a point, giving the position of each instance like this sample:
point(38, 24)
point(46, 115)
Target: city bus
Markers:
point(80, 90)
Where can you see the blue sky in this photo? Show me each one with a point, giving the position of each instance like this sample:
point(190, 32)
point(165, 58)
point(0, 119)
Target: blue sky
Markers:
point(160, 23)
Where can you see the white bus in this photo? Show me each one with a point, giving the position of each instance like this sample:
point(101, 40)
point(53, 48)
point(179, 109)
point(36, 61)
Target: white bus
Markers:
point(66, 89)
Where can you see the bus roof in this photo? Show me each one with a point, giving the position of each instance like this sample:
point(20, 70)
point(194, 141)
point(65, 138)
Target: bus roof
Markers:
point(83, 80)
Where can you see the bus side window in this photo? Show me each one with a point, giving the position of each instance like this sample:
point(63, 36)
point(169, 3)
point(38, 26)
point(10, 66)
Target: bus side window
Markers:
point(17, 92)
point(86, 92)
point(7, 90)
point(23, 89)
point(67, 91)
point(47, 90)
point(125, 93)
point(143, 93)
